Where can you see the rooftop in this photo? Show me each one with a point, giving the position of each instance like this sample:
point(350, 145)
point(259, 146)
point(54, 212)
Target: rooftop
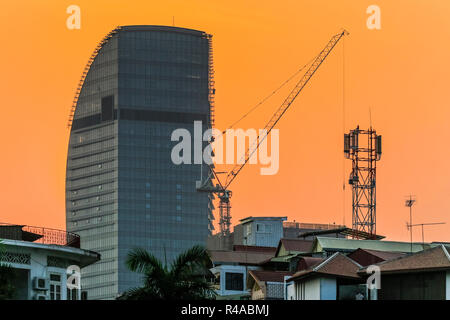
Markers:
point(290, 246)
point(162, 28)
point(249, 219)
point(436, 258)
point(269, 276)
point(39, 235)
point(247, 255)
point(337, 265)
point(341, 244)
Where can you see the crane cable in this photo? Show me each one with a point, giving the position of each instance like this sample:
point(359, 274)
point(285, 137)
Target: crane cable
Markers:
point(269, 96)
point(343, 128)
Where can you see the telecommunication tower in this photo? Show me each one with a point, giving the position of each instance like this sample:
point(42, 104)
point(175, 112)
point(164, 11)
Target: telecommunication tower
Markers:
point(363, 147)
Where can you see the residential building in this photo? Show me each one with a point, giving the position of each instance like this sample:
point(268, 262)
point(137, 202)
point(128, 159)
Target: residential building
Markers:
point(325, 280)
point(366, 257)
point(123, 189)
point(422, 275)
point(293, 230)
point(230, 269)
point(259, 231)
point(288, 254)
point(43, 262)
point(325, 246)
point(267, 285)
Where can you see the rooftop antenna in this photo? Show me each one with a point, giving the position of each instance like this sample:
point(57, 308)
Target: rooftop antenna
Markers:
point(424, 224)
point(409, 202)
point(173, 21)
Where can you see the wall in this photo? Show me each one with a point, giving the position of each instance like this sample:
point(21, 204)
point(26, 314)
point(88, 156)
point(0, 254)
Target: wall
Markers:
point(415, 286)
point(265, 233)
point(447, 286)
point(327, 289)
point(234, 269)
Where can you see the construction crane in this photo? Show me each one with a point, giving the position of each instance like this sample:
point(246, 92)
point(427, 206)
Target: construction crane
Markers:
point(221, 188)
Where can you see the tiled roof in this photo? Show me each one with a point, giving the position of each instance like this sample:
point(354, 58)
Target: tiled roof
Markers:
point(384, 255)
point(270, 250)
point(296, 245)
point(337, 265)
point(430, 259)
point(271, 276)
point(243, 257)
point(308, 262)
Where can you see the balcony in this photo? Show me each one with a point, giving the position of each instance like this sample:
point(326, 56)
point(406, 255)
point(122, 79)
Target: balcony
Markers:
point(39, 235)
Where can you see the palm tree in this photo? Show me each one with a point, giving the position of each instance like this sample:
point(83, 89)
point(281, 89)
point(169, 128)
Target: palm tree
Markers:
point(186, 278)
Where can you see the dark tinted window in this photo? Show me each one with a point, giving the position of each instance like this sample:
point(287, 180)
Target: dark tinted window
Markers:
point(234, 281)
point(108, 108)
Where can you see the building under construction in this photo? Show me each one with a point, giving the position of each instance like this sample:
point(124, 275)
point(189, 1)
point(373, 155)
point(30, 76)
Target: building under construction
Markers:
point(122, 189)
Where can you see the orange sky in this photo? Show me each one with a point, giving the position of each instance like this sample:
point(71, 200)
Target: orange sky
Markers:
point(400, 72)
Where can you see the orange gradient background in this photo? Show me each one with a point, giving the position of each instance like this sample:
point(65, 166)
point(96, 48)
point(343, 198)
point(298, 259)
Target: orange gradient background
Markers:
point(400, 72)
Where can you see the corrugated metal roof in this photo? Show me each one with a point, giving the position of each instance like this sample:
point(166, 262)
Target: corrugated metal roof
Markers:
point(326, 243)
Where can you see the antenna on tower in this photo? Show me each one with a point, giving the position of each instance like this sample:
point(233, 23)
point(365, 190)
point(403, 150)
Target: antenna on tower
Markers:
point(363, 147)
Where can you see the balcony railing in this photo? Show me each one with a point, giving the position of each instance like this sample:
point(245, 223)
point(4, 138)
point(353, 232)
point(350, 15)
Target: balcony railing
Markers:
point(39, 235)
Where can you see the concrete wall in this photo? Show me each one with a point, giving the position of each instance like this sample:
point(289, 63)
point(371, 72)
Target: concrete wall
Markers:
point(265, 233)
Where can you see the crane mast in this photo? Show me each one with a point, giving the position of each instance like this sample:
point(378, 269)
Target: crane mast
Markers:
point(222, 189)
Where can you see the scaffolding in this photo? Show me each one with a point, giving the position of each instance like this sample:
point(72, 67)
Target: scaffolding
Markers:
point(85, 72)
point(211, 82)
point(363, 147)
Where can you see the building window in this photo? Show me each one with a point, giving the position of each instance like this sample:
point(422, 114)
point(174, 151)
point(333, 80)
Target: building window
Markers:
point(234, 281)
point(55, 287)
point(72, 294)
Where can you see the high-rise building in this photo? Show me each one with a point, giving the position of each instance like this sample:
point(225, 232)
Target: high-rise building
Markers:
point(122, 189)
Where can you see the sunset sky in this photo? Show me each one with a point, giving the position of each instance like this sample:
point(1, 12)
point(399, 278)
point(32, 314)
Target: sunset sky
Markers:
point(400, 73)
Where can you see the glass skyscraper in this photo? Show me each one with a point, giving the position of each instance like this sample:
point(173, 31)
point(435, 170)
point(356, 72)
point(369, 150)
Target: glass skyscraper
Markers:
point(122, 189)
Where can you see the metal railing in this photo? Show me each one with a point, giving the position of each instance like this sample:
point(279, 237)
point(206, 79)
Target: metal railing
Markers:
point(43, 235)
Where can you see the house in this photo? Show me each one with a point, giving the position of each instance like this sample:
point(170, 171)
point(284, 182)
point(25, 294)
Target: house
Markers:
point(259, 231)
point(325, 246)
point(366, 257)
point(267, 285)
point(325, 280)
point(287, 254)
point(230, 269)
point(44, 264)
point(423, 275)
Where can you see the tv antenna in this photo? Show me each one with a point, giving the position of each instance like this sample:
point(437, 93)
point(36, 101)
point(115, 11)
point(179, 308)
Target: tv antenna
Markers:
point(409, 202)
point(422, 225)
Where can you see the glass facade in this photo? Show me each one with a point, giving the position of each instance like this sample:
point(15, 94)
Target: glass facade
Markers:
point(122, 189)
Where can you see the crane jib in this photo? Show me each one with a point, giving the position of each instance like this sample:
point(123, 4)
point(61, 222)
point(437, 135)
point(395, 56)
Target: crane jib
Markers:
point(285, 105)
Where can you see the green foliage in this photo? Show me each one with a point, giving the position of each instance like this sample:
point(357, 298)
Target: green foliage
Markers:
point(185, 278)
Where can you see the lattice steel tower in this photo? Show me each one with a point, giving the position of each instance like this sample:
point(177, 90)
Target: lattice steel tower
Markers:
point(363, 147)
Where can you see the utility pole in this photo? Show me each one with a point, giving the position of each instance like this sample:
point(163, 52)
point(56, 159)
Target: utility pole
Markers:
point(409, 203)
